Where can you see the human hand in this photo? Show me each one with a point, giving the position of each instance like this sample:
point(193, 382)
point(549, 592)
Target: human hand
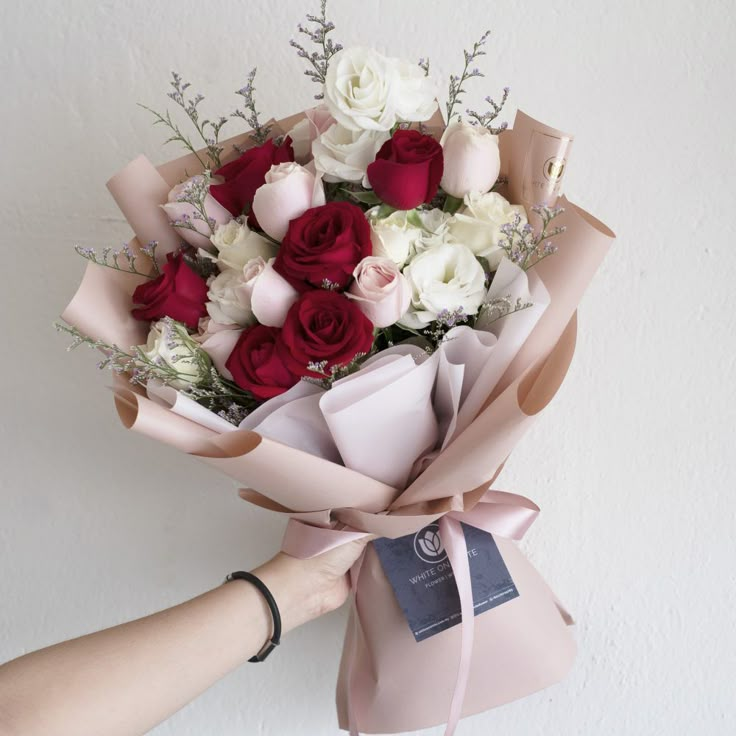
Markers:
point(307, 589)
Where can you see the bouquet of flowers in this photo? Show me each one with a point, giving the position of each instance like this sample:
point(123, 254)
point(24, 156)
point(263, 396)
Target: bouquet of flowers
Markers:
point(356, 313)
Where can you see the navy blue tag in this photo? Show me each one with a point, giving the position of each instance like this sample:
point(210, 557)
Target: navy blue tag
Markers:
point(420, 573)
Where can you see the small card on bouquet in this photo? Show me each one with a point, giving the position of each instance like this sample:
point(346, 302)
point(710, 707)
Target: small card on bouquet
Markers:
point(420, 573)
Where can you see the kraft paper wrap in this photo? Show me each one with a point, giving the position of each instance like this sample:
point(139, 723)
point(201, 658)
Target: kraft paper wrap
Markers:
point(396, 683)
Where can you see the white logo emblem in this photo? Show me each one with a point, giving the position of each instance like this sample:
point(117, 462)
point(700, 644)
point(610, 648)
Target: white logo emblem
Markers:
point(428, 545)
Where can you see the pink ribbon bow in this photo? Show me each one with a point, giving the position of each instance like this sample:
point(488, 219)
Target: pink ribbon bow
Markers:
point(500, 513)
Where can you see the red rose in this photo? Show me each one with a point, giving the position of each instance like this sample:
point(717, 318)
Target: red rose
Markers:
point(179, 292)
point(256, 365)
point(244, 175)
point(407, 169)
point(324, 328)
point(325, 244)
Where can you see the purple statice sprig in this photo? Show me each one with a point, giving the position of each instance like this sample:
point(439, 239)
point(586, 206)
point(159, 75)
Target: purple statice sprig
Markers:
point(209, 130)
point(446, 320)
point(500, 306)
point(423, 64)
point(211, 390)
point(526, 247)
point(456, 88)
point(259, 131)
point(327, 377)
point(326, 48)
point(486, 119)
point(195, 194)
point(122, 259)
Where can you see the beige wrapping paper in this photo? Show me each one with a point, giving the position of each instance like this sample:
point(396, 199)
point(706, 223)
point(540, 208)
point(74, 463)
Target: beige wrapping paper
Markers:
point(521, 646)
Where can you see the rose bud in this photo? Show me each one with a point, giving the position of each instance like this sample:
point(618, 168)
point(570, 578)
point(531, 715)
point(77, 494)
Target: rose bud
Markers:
point(407, 170)
point(179, 293)
point(185, 216)
point(323, 246)
point(244, 175)
point(472, 160)
point(272, 297)
point(323, 330)
point(257, 367)
point(380, 290)
point(289, 191)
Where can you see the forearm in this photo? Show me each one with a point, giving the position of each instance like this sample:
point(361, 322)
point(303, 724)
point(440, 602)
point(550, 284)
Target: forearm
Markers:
point(124, 680)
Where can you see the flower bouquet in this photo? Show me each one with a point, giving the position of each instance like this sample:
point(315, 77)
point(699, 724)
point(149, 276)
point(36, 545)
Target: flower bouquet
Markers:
point(356, 313)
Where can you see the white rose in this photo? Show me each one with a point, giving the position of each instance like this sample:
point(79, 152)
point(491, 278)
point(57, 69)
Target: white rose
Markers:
point(435, 226)
point(344, 155)
point(416, 93)
point(444, 279)
point(393, 237)
point(230, 294)
point(367, 91)
point(170, 346)
point(237, 244)
point(471, 159)
point(478, 225)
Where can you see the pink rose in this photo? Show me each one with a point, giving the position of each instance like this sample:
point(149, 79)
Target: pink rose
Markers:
point(218, 342)
point(472, 159)
point(380, 291)
point(289, 191)
point(180, 212)
point(271, 297)
point(307, 130)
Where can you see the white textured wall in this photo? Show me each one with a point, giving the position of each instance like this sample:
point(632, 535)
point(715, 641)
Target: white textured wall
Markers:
point(633, 464)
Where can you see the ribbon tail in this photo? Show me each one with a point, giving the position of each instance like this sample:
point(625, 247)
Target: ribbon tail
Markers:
point(451, 533)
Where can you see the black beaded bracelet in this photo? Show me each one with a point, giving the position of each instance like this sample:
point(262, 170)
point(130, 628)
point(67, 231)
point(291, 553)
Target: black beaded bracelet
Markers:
point(275, 639)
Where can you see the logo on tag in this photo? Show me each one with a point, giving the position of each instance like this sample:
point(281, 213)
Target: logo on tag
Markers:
point(428, 545)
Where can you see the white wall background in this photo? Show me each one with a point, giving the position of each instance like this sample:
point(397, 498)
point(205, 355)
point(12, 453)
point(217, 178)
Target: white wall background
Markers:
point(633, 463)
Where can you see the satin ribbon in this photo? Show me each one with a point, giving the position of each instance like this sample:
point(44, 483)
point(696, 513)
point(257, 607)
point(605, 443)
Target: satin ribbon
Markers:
point(497, 512)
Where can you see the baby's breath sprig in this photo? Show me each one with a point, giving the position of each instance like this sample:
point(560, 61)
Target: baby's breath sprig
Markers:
point(251, 115)
point(523, 245)
point(112, 257)
point(456, 89)
point(486, 119)
point(209, 130)
point(320, 59)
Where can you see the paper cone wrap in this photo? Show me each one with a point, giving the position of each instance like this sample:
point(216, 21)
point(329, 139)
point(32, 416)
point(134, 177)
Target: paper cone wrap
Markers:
point(395, 684)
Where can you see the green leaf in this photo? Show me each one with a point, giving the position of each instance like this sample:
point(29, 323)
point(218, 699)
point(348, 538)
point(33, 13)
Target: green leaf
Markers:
point(368, 198)
point(452, 204)
point(385, 210)
point(413, 219)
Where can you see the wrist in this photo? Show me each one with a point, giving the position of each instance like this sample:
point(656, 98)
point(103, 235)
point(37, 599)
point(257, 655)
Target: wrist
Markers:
point(303, 591)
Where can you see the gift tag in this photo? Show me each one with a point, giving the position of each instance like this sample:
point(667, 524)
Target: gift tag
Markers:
point(420, 573)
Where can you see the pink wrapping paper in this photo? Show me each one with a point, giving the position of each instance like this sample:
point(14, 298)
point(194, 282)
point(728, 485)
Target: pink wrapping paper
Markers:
point(521, 646)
